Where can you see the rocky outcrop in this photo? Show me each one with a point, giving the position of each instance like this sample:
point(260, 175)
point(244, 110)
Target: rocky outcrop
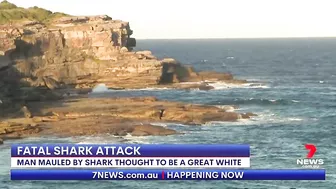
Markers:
point(83, 51)
point(145, 130)
point(115, 116)
point(41, 61)
point(80, 52)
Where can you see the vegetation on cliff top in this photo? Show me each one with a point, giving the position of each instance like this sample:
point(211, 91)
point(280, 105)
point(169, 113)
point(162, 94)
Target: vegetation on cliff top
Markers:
point(10, 13)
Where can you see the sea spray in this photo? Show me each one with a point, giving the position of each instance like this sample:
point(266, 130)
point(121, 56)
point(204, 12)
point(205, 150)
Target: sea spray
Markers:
point(100, 88)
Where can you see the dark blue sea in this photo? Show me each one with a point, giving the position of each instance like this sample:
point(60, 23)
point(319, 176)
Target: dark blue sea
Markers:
point(293, 93)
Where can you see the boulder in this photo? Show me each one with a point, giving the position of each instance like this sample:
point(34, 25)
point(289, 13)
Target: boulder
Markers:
point(144, 130)
point(123, 49)
point(51, 83)
point(1, 141)
point(205, 87)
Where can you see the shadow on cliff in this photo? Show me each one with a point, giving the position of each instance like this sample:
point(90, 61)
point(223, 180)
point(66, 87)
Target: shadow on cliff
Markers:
point(19, 87)
point(28, 50)
point(173, 72)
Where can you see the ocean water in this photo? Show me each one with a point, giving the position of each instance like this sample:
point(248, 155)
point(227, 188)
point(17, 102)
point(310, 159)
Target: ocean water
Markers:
point(294, 94)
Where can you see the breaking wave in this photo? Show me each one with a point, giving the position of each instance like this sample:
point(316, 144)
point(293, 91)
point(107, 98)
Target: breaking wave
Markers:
point(255, 101)
point(143, 89)
point(223, 85)
point(261, 119)
point(100, 88)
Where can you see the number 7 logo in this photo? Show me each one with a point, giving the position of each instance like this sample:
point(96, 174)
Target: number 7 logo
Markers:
point(312, 150)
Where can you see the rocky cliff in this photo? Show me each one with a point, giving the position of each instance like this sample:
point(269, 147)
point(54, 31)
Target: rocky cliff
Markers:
point(83, 51)
point(44, 55)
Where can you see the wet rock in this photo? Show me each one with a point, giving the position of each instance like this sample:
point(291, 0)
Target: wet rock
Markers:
point(139, 133)
point(144, 130)
point(13, 136)
point(121, 133)
point(51, 83)
point(199, 86)
point(220, 116)
point(248, 115)
point(210, 75)
point(205, 87)
point(1, 141)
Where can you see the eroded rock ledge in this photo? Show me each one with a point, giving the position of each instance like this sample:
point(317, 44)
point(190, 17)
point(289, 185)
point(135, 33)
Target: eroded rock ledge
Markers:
point(116, 116)
point(81, 52)
point(40, 62)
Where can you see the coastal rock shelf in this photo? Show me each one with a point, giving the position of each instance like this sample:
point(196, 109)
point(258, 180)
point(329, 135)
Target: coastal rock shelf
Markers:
point(45, 57)
point(116, 116)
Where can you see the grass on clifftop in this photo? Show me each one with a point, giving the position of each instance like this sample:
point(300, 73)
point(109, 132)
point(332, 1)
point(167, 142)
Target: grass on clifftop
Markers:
point(10, 13)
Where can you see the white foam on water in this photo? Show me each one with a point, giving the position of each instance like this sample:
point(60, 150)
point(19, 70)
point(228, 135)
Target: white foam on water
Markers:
point(137, 139)
point(100, 88)
point(295, 119)
point(143, 89)
point(262, 119)
point(159, 124)
point(150, 89)
point(192, 82)
point(180, 125)
point(99, 139)
point(227, 108)
point(223, 85)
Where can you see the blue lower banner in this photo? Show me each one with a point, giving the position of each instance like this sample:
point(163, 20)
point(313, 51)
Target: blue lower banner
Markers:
point(181, 174)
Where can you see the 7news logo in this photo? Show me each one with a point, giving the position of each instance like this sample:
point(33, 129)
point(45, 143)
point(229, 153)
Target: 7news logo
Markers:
point(309, 162)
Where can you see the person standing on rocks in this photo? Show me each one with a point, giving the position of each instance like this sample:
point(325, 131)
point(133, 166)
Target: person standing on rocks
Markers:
point(161, 113)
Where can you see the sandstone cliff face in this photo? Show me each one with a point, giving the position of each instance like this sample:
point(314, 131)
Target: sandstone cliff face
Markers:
point(81, 52)
point(44, 55)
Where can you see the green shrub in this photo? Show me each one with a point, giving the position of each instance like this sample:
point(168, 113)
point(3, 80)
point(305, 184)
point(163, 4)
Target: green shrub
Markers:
point(7, 5)
point(11, 13)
